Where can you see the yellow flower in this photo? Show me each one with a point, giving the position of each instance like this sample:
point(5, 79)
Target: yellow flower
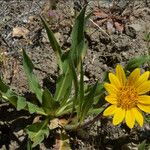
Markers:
point(127, 96)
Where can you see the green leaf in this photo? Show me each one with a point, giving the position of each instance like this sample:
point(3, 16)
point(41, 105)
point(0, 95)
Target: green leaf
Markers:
point(65, 58)
point(32, 108)
point(18, 101)
point(99, 91)
point(137, 62)
point(64, 82)
point(33, 82)
point(49, 104)
point(75, 81)
point(66, 109)
point(21, 103)
point(10, 97)
point(37, 132)
point(142, 145)
point(66, 97)
point(147, 118)
point(56, 47)
point(77, 38)
point(88, 102)
point(95, 111)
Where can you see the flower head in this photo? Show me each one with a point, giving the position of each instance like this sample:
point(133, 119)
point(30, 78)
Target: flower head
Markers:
point(127, 96)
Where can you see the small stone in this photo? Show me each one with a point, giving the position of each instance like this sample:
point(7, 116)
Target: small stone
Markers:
point(31, 19)
point(20, 132)
point(19, 32)
point(125, 54)
point(58, 36)
point(131, 30)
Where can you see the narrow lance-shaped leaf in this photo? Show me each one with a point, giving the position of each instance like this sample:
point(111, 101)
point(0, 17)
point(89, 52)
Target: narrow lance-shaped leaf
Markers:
point(56, 47)
point(99, 93)
point(137, 62)
point(77, 36)
point(33, 82)
point(75, 81)
point(64, 82)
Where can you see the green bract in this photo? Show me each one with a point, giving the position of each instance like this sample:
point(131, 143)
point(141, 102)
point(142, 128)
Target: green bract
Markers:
point(71, 97)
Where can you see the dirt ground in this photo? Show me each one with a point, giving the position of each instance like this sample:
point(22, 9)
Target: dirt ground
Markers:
point(115, 33)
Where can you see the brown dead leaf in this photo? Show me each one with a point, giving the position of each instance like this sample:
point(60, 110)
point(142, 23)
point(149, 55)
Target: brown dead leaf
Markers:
point(62, 141)
point(119, 27)
point(63, 122)
point(55, 123)
point(20, 32)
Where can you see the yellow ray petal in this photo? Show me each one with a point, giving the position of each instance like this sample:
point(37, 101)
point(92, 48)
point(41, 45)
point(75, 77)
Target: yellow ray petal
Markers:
point(145, 108)
point(120, 74)
point(118, 116)
point(114, 80)
point(143, 88)
point(138, 117)
point(134, 76)
point(144, 77)
point(109, 110)
point(130, 118)
point(144, 99)
point(111, 89)
point(111, 99)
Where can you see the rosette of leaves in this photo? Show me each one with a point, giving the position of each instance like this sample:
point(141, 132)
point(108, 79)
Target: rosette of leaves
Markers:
point(76, 104)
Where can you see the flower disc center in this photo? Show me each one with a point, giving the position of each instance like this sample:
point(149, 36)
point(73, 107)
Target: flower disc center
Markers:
point(127, 97)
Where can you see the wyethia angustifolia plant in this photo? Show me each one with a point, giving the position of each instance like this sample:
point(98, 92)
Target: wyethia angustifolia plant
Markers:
point(71, 98)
